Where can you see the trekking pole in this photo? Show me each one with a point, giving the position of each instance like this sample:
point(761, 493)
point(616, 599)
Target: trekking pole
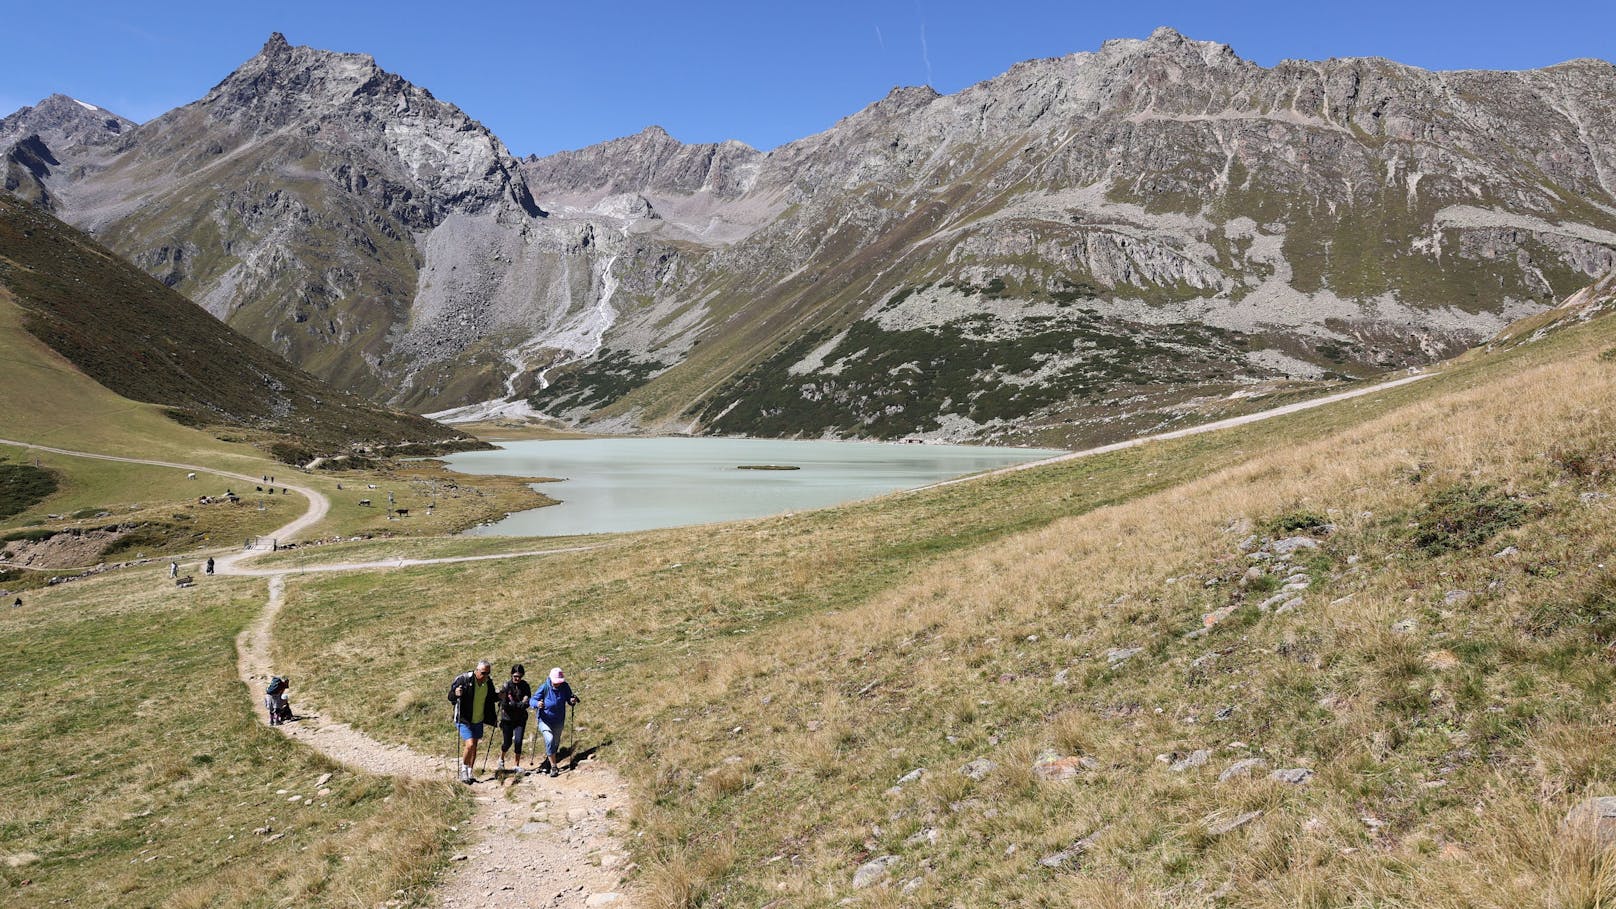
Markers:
point(454, 747)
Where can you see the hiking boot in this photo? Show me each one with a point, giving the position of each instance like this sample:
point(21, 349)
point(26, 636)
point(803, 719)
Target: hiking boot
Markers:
point(554, 770)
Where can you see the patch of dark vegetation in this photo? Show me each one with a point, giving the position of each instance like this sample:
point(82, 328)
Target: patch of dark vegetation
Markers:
point(1591, 465)
point(1298, 521)
point(1608, 355)
point(23, 486)
point(894, 383)
point(27, 536)
point(595, 384)
point(290, 453)
point(141, 339)
point(1462, 517)
point(1071, 291)
point(902, 294)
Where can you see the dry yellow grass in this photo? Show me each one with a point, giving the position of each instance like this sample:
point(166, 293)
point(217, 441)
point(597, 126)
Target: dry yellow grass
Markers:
point(133, 771)
point(766, 684)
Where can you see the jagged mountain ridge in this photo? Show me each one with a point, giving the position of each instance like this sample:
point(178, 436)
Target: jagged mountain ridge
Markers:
point(1095, 242)
point(1326, 216)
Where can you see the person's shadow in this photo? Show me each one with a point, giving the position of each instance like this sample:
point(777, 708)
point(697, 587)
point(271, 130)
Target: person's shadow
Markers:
point(574, 758)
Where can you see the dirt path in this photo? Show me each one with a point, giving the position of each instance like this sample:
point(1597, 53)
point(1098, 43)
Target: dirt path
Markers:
point(533, 841)
point(1214, 426)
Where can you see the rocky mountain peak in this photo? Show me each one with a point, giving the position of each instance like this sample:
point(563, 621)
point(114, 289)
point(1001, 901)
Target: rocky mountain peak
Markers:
point(355, 110)
point(64, 123)
point(648, 161)
point(282, 83)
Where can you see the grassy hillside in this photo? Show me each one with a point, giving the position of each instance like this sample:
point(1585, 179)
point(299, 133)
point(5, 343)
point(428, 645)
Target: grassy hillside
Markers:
point(135, 774)
point(147, 343)
point(1435, 682)
point(48, 401)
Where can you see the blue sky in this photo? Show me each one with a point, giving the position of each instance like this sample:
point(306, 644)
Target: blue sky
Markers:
point(546, 76)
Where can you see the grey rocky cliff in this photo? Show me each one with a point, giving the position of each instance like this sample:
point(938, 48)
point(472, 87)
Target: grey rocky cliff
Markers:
point(1086, 246)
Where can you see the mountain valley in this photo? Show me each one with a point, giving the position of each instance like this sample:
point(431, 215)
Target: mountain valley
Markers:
point(1082, 249)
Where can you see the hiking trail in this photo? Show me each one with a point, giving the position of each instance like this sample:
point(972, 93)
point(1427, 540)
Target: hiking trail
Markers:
point(532, 841)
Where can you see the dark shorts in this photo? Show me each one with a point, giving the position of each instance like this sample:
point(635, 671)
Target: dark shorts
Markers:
point(469, 731)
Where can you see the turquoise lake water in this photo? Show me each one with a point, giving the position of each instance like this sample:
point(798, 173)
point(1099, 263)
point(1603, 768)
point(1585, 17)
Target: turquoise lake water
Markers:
point(613, 485)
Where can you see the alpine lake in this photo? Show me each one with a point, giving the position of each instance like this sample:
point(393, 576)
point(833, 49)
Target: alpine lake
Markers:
point(611, 485)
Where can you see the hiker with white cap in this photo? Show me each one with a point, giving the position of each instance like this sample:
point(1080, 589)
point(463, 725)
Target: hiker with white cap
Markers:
point(550, 706)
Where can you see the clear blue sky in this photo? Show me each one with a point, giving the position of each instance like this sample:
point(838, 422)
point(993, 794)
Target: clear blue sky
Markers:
point(546, 76)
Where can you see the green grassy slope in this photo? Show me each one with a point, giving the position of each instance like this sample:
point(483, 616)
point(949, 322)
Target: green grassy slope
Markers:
point(147, 343)
point(767, 684)
point(134, 773)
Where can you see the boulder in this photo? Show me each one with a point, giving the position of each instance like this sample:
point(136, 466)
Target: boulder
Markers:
point(873, 872)
point(1291, 544)
point(1196, 758)
point(1594, 818)
point(1055, 768)
point(1296, 776)
point(1241, 768)
point(1219, 828)
point(1116, 656)
point(979, 769)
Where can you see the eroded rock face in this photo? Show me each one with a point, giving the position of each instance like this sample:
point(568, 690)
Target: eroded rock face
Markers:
point(1100, 242)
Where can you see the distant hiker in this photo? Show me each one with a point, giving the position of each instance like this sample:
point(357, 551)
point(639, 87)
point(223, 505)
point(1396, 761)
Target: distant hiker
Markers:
point(173, 569)
point(513, 698)
point(550, 702)
point(473, 697)
point(278, 701)
point(210, 565)
point(261, 489)
point(17, 603)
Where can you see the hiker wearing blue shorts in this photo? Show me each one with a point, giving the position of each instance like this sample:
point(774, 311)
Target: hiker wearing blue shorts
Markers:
point(550, 706)
point(474, 700)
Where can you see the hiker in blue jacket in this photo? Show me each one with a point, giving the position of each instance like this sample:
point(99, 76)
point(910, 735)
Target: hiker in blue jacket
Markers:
point(550, 707)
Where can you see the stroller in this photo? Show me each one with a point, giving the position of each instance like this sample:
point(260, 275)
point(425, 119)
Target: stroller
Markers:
point(275, 699)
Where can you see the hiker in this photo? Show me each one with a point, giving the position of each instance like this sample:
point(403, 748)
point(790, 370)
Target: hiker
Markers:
point(277, 700)
point(173, 569)
point(513, 698)
point(210, 565)
point(473, 697)
point(17, 603)
point(550, 702)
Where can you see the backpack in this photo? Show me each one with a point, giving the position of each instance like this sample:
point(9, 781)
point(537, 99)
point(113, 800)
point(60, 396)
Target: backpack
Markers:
point(276, 686)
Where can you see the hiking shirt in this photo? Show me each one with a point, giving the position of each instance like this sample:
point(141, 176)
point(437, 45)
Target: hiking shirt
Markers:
point(513, 698)
point(551, 703)
point(473, 694)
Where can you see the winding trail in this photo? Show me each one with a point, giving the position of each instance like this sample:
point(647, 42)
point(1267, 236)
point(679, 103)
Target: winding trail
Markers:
point(533, 840)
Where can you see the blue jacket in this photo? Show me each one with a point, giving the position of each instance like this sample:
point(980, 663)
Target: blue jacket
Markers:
point(551, 703)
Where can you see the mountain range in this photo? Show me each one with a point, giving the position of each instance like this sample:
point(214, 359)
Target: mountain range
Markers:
point(1083, 248)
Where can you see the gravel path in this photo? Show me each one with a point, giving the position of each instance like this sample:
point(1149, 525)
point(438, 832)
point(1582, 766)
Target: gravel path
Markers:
point(534, 840)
